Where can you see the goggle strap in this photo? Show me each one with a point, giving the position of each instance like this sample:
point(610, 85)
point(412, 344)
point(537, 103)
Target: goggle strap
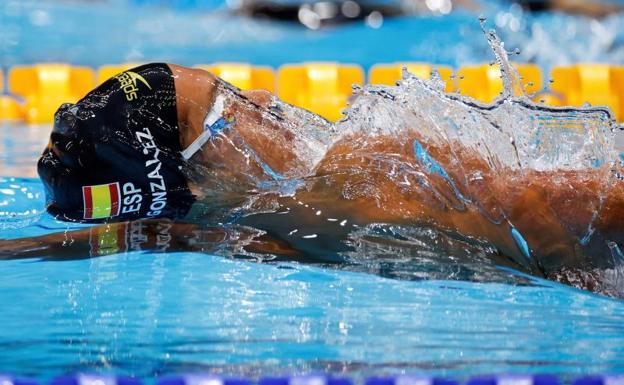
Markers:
point(213, 124)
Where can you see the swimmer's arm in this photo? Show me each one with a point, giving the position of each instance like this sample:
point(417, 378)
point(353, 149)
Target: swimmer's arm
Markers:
point(195, 94)
point(575, 197)
point(150, 235)
point(551, 210)
point(594, 9)
point(266, 130)
point(276, 135)
point(196, 91)
point(262, 98)
point(565, 216)
point(570, 219)
point(95, 241)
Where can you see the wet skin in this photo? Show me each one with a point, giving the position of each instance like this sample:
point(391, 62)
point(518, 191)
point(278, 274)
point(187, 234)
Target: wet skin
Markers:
point(551, 210)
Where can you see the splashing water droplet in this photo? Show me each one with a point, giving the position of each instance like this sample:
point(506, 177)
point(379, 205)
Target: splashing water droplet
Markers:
point(511, 136)
point(512, 84)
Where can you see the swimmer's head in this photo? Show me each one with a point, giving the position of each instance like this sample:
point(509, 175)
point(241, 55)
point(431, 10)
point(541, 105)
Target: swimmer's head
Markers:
point(94, 170)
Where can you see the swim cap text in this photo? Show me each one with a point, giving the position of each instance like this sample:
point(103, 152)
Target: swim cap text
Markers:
point(158, 188)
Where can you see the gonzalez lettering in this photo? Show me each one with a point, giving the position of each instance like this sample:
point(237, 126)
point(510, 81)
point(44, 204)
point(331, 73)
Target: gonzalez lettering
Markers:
point(158, 188)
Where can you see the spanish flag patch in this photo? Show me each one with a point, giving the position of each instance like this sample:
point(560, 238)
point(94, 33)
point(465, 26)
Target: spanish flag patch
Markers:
point(101, 201)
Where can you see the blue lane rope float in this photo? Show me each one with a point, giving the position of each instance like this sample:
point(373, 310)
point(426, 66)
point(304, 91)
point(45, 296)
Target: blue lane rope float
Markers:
point(410, 380)
point(305, 380)
point(87, 379)
point(9, 380)
point(515, 380)
point(600, 380)
point(195, 379)
point(208, 379)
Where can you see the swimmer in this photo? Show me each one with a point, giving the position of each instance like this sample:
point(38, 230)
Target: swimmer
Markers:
point(319, 14)
point(594, 9)
point(164, 141)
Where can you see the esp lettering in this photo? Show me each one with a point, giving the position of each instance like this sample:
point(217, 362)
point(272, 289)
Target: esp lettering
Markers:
point(132, 198)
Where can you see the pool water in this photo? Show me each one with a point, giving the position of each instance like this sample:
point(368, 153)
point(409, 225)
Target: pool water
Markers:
point(46, 31)
point(146, 313)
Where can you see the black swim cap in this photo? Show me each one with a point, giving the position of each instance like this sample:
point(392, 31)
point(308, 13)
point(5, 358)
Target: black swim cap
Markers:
point(115, 157)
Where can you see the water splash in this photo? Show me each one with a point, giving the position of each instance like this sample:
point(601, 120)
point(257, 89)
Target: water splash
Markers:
point(512, 81)
point(490, 157)
point(452, 155)
point(533, 182)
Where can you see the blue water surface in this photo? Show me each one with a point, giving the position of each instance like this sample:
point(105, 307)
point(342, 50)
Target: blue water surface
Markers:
point(190, 32)
point(146, 314)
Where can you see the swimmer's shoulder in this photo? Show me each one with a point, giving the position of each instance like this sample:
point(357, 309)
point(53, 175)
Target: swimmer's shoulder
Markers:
point(195, 93)
point(192, 79)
